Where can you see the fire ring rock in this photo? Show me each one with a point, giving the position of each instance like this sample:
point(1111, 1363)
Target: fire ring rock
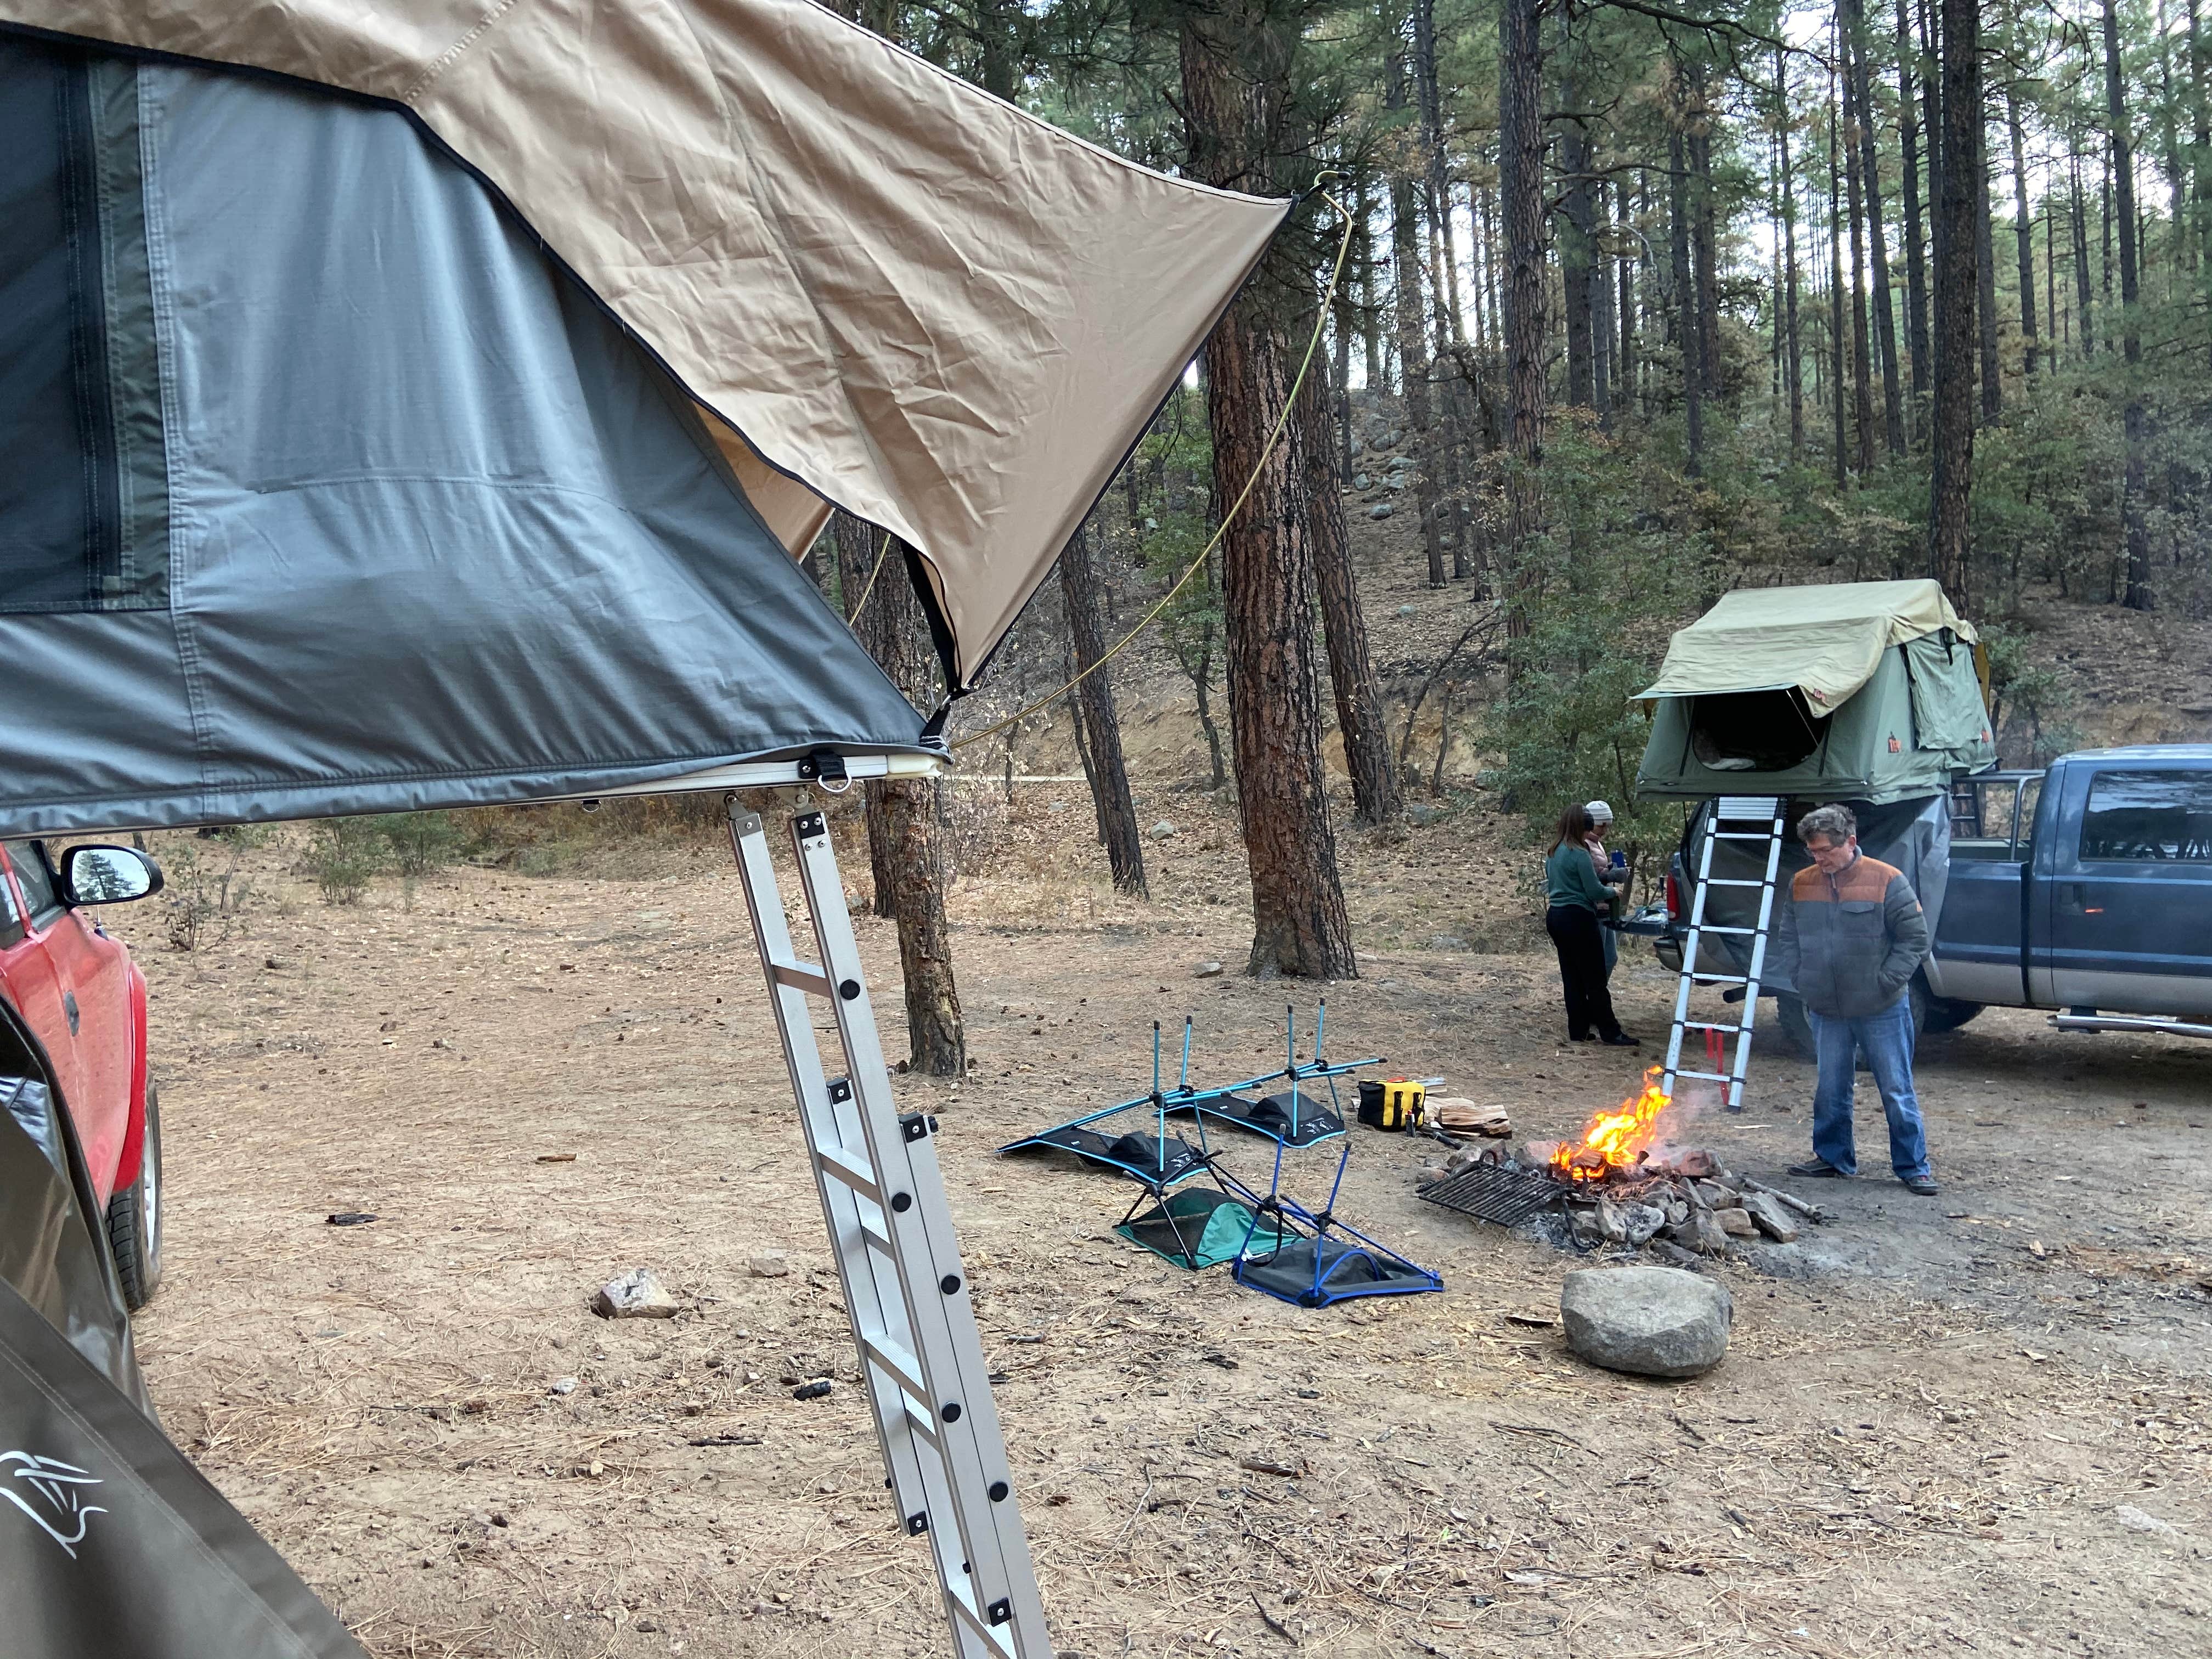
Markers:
point(1653, 1321)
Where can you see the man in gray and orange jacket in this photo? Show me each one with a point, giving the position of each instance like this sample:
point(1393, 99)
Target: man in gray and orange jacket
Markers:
point(1850, 938)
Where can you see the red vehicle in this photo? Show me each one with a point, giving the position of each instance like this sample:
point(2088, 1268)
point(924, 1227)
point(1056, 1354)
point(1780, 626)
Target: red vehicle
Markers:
point(84, 1000)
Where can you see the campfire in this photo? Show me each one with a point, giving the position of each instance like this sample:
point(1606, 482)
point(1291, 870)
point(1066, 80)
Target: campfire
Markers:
point(1628, 1183)
point(1616, 1142)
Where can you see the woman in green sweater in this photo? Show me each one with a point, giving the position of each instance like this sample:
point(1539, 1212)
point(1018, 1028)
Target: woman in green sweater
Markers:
point(1577, 899)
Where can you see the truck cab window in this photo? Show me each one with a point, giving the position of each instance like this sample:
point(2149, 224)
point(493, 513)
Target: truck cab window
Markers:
point(2141, 817)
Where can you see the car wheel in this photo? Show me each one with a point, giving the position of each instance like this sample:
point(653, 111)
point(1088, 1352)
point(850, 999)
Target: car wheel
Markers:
point(134, 1216)
point(1947, 1013)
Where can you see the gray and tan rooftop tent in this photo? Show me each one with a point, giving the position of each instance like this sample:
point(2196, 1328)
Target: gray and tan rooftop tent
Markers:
point(425, 403)
point(403, 401)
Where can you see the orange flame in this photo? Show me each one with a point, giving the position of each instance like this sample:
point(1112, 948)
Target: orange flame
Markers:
point(1617, 1140)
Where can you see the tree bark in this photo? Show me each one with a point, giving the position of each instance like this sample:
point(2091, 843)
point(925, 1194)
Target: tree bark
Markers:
point(1885, 315)
point(1959, 186)
point(1915, 270)
point(1116, 808)
point(1855, 207)
point(1985, 275)
point(857, 543)
point(1520, 193)
point(1232, 74)
point(1689, 337)
point(1624, 370)
point(1837, 344)
point(909, 812)
point(1704, 249)
point(2023, 231)
point(2135, 422)
point(1351, 678)
point(2085, 297)
point(1576, 246)
point(1792, 364)
point(1412, 335)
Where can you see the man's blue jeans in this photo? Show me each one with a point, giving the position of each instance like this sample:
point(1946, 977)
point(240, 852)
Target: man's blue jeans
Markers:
point(1887, 1038)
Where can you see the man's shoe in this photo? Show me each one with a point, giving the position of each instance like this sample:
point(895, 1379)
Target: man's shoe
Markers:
point(1920, 1186)
point(1817, 1168)
point(1621, 1040)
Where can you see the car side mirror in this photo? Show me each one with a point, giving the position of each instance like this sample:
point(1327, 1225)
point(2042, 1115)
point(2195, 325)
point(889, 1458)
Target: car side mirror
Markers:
point(108, 875)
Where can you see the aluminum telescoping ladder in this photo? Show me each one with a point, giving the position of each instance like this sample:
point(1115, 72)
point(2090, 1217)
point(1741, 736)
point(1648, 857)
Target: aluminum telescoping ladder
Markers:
point(906, 1292)
point(1738, 810)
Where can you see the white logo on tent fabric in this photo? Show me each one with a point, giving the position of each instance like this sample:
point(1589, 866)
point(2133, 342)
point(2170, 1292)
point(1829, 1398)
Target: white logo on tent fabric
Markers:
point(60, 1485)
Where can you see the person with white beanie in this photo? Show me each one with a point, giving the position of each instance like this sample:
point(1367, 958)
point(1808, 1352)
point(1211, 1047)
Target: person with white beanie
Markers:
point(1600, 817)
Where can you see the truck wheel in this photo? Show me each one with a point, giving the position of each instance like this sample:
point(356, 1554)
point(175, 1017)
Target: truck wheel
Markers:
point(1789, 1015)
point(134, 1216)
point(1947, 1013)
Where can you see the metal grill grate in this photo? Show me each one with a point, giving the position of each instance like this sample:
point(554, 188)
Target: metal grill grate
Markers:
point(1488, 1193)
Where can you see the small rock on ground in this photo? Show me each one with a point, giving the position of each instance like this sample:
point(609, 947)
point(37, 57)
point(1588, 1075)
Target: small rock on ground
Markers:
point(1208, 970)
point(636, 1295)
point(768, 1264)
point(1736, 1223)
point(1163, 829)
point(1649, 1322)
point(1771, 1215)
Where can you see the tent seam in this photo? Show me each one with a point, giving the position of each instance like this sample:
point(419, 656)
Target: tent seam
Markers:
point(446, 59)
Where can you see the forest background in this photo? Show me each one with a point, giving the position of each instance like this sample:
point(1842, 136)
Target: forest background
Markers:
point(1613, 305)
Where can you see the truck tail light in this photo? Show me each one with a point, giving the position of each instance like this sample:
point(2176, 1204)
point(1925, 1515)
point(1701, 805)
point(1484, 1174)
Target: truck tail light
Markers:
point(1673, 896)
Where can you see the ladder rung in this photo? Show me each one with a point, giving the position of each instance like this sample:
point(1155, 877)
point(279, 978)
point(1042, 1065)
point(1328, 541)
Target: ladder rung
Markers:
point(877, 1236)
point(1743, 835)
point(1731, 881)
point(840, 1162)
point(801, 976)
point(918, 1419)
point(994, 1634)
point(1703, 1025)
point(1720, 979)
point(902, 1365)
point(1715, 927)
point(1709, 1077)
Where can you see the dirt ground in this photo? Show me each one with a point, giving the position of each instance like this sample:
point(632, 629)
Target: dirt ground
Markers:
point(1940, 1427)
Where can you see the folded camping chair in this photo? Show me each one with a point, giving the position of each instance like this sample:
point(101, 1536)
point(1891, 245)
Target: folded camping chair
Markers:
point(1289, 1118)
point(1159, 1160)
point(1316, 1259)
point(1197, 1227)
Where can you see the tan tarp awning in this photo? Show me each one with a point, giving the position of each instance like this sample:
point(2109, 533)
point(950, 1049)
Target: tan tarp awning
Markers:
point(1826, 641)
point(911, 298)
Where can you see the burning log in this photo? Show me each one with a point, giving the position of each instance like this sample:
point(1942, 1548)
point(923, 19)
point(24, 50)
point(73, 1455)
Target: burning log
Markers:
point(1616, 1140)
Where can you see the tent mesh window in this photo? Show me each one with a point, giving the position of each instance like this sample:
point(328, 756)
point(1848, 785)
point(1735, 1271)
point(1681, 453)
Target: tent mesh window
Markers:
point(1755, 731)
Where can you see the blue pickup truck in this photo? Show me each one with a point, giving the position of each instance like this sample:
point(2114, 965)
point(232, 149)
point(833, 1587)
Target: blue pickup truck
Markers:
point(2085, 889)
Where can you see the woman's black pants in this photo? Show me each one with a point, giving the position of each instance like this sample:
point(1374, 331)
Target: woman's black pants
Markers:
point(1581, 946)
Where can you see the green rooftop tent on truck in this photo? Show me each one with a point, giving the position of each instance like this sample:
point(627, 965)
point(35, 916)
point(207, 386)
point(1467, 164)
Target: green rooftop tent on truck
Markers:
point(1861, 691)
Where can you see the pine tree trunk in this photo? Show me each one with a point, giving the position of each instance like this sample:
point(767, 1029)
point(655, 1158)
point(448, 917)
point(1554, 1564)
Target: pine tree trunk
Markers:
point(1837, 339)
point(2085, 297)
point(910, 811)
point(1412, 336)
point(1358, 693)
point(1687, 335)
point(1703, 250)
point(1574, 249)
point(1915, 270)
point(1520, 194)
point(2023, 230)
point(1230, 79)
point(1792, 362)
point(857, 547)
point(1861, 366)
point(1116, 808)
point(1985, 276)
point(1885, 314)
point(1959, 186)
point(2136, 424)
point(1624, 370)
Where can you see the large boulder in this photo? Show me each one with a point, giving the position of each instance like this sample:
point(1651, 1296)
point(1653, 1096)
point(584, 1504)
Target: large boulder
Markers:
point(1653, 1321)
